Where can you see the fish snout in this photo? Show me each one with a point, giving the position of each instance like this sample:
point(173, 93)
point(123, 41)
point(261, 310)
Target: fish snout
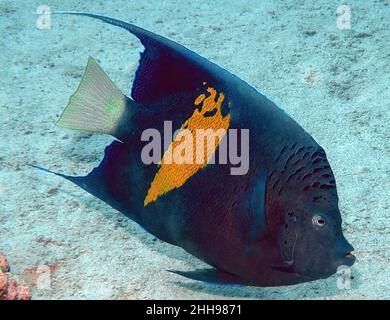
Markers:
point(347, 258)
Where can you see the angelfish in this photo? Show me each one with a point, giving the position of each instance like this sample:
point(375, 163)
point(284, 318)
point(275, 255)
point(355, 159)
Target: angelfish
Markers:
point(278, 224)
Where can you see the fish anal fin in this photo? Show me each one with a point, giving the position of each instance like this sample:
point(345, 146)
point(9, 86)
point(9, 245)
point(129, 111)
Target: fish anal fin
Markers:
point(106, 180)
point(84, 182)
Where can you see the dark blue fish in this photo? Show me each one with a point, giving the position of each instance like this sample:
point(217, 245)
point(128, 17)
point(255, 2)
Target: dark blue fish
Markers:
point(278, 224)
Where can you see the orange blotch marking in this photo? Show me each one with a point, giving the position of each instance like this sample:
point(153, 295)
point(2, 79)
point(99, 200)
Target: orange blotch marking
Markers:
point(199, 99)
point(171, 174)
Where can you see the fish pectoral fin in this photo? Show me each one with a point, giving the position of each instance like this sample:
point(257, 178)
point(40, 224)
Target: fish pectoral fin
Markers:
point(286, 266)
point(210, 276)
point(97, 105)
point(251, 216)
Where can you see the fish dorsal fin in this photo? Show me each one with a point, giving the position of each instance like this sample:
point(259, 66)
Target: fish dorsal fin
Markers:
point(165, 67)
point(251, 220)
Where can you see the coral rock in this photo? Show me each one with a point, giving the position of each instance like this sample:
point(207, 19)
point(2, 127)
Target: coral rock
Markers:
point(4, 267)
point(3, 283)
point(9, 288)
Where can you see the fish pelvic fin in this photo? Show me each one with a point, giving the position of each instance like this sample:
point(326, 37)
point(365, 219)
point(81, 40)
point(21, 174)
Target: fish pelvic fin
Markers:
point(97, 106)
point(286, 266)
point(211, 276)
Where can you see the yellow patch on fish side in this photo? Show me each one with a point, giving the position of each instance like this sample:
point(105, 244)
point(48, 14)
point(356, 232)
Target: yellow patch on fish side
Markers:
point(200, 136)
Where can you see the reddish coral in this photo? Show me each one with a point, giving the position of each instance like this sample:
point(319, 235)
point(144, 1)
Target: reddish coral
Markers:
point(9, 288)
point(3, 283)
point(4, 267)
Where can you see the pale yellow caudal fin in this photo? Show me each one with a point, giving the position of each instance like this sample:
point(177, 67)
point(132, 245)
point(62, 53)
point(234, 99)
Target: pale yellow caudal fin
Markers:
point(96, 106)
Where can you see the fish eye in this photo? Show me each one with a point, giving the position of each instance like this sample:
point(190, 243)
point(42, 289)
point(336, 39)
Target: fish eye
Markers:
point(319, 221)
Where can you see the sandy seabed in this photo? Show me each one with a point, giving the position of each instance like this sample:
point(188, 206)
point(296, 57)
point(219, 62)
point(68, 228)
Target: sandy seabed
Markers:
point(335, 83)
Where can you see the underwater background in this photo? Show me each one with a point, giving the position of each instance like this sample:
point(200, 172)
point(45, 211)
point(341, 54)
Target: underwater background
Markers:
point(332, 78)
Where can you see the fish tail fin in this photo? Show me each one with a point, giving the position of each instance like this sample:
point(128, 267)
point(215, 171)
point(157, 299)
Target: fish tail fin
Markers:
point(97, 106)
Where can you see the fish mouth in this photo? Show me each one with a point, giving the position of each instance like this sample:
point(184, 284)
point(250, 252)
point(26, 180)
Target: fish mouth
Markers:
point(348, 259)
